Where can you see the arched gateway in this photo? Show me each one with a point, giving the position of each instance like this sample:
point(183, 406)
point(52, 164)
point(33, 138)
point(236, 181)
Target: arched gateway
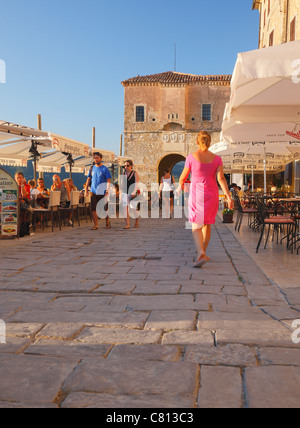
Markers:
point(164, 114)
point(168, 161)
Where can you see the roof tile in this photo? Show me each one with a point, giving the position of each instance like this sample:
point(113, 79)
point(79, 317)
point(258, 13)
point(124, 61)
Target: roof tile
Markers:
point(175, 77)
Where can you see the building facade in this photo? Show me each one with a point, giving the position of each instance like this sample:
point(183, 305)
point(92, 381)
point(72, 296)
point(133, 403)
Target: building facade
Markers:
point(279, 24)
point(164, 114)
point(279, 21)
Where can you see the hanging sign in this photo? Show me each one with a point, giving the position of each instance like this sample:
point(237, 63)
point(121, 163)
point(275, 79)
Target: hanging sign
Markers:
point(9, 205)
point(69, 146)
point(13, 162)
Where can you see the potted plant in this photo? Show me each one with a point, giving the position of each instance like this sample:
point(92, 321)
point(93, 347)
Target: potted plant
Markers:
point(228, 215)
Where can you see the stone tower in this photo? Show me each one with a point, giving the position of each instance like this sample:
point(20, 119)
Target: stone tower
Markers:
point(279, 21)
point(164, 113)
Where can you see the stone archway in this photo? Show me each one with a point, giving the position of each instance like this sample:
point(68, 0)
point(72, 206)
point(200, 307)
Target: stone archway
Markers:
point(168, 161)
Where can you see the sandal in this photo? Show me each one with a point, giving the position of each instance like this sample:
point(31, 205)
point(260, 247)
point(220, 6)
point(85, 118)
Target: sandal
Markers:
point(108, 226)
point(94, 228)
point(201, 262)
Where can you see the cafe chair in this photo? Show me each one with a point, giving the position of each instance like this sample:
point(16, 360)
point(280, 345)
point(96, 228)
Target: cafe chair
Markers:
point(266, 219)
point(241, 211)
point(74, 207)
point(51, 211)
point(85, 207)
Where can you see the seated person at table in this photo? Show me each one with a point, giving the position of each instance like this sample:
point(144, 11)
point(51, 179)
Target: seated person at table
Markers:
point(33, 191)
point(25, 205)
point(59, 186)
point(41, 187)
point(42, 198)
point(69, 181)
point(24, 188)
point(65, 196)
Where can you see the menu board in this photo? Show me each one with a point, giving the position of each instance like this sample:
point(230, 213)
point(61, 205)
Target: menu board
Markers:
point(9, 211)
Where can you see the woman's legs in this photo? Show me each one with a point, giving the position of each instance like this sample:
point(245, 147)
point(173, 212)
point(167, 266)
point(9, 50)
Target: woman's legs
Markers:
point(136, 224)
point(127, 218)
point(172, 207)
point(166, 206)
point(206, 236)
point(202, 235)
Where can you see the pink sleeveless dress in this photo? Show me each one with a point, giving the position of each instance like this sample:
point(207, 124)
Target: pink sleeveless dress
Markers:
point(204, 191)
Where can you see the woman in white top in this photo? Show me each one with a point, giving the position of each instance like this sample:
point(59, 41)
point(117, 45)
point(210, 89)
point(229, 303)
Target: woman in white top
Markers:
point(167, 192)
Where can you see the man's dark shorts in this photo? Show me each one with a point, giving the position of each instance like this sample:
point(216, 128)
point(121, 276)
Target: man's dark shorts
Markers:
point(94, 201)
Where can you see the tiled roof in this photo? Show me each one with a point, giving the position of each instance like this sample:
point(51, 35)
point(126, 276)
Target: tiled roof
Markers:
point(175, 77)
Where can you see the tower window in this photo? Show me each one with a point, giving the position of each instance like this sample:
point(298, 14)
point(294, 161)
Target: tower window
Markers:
point(293, 30)
point(140, 114)
point(206, 112)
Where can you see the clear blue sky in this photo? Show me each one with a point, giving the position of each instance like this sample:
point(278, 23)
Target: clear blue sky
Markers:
point(65, 59)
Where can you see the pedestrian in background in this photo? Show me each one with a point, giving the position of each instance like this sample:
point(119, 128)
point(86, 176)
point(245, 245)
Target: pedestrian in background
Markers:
point(129, 190)
point(99, 179)
point(167, 187)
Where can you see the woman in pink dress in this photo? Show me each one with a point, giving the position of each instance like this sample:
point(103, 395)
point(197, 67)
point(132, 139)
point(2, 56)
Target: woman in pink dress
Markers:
point(205, 168)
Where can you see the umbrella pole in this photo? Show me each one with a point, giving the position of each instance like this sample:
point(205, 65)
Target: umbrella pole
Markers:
point(265, 172)
point(35, 168)
point(70, 169)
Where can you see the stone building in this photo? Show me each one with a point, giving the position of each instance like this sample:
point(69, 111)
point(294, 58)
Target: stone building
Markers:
point(279, 24)
point(163, 115)
point(279, 21)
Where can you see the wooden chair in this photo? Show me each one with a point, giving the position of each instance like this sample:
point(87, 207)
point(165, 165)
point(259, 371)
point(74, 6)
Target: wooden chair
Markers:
point(85, 207)
point(278, 222)
point(74, 207)
point(44, 213)
point(241, 211)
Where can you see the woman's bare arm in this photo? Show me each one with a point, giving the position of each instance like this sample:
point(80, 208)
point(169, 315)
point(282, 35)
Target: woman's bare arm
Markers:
point(223, 183)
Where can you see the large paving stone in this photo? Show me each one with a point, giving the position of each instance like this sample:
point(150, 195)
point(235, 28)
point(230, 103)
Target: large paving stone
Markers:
point(100, 318)
point(188, 338)
point(32, 379)
point(108, 401)
point(155, 302)
point(145, 353)
point(225, 355)
point(171, 320)
point(220, 387)
point(118, 336)
point(136, 378)
point(279, 356)
point(68, 349)
point(273, 387)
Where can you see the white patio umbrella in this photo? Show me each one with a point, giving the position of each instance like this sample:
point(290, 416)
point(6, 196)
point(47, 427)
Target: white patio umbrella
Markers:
point(23, 143)
point(237, 131)
point(250, 157)
point(18, 153)
point(265, 101)
point(266, 87)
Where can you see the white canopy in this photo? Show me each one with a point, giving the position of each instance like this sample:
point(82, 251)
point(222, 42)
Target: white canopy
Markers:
point(19, 144)
point(265, 102)
point(265, 83)
point(11, 134)
point(244, 159)
point(265, 91)
point(237, 131)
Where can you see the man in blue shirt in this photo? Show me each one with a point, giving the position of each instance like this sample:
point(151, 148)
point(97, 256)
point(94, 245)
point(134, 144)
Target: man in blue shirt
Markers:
point(99, 179)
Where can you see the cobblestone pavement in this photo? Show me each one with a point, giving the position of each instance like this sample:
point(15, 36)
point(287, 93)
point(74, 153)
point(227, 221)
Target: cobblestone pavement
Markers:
point(117, 318)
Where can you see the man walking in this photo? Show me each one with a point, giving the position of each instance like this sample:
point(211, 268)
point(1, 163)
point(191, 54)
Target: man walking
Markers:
point(99, 179)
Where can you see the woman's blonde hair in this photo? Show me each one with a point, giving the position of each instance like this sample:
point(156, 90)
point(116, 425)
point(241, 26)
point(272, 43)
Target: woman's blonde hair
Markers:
point(204, 140)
